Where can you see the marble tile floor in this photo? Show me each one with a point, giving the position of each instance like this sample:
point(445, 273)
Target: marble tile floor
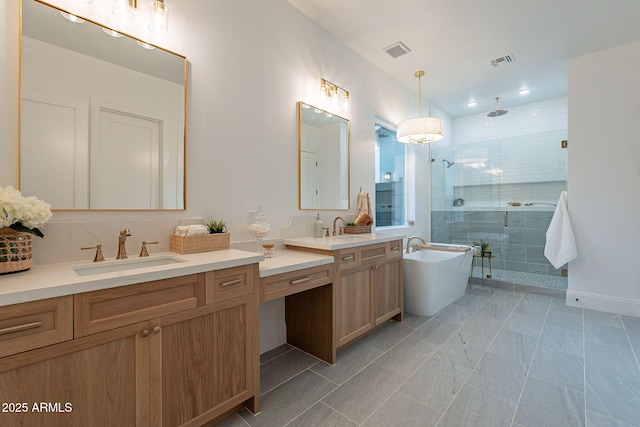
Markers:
point(490, 359)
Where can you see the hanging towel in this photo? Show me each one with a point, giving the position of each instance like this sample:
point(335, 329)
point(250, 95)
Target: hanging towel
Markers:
point(363, 211)
point(561, 245)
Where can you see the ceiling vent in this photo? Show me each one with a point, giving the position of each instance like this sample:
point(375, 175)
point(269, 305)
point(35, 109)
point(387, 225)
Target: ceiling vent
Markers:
point(503, 59)
point(397, 49)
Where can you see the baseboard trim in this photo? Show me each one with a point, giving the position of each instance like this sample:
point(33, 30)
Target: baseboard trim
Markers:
point(603, 303)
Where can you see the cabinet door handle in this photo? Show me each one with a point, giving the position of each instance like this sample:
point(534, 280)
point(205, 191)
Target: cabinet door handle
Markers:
point(506, 218)
point(347, 258)
point(395, 248)
point(20, 328)
point(156, 329)
point(231, 283)
point(145, 333)
point(373, 257)
point(298, 281)
point(375, 267)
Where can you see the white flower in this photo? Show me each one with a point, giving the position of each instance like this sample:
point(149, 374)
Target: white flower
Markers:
point(29, 212)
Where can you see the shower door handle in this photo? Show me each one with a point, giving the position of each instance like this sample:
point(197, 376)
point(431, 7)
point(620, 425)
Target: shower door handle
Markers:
point(506, 218)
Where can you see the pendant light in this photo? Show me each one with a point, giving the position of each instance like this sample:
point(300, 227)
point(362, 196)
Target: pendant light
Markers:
point(419, 130)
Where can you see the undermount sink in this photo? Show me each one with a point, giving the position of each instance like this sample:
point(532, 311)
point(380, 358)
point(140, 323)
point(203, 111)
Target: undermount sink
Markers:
point(122, 265)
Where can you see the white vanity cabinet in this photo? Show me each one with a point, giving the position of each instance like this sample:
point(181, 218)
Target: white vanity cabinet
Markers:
point(171, 352)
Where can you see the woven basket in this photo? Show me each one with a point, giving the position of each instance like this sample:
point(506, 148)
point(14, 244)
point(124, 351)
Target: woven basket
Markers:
point(357, 229)
point(200, 243)
point(15, 251)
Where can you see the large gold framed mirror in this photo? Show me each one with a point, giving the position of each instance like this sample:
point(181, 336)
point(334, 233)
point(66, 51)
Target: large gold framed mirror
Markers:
point(323, 159)
point(102, 117)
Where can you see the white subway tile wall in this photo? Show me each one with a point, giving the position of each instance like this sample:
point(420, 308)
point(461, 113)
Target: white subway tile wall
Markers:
point(515, 158)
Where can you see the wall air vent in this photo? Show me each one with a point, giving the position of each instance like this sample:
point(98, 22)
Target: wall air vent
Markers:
point(397, 49)
point(503, 60)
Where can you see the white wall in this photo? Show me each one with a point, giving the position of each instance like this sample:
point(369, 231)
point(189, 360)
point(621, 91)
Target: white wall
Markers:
point(249, 63)
point(604, 179)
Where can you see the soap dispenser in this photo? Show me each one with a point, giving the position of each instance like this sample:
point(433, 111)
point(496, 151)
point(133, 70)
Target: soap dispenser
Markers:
point(317, 227)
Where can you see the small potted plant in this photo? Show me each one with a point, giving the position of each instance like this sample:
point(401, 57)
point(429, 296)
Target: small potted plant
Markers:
point(216, 227)
point(481, 248)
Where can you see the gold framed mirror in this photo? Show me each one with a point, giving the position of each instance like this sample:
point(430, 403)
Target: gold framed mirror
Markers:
point(102, 118)
point(323, 159)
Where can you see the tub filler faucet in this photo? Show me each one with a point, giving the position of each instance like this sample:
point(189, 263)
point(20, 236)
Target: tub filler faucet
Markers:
point(409, 241)
point(122, 239)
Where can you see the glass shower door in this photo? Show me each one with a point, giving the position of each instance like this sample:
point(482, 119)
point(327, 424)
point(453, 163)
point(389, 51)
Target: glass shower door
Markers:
point(501, 192)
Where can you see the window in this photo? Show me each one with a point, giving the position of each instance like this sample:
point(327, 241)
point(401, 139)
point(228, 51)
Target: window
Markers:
point(390, 178)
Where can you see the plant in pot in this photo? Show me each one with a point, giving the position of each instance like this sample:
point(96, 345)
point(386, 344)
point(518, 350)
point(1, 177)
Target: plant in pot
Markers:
point(216, 227)
point(481, 248)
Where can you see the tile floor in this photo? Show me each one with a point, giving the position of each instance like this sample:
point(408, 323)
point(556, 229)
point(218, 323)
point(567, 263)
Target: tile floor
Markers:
point(490, 359)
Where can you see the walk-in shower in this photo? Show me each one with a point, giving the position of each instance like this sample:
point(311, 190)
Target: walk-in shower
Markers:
point(509, 187)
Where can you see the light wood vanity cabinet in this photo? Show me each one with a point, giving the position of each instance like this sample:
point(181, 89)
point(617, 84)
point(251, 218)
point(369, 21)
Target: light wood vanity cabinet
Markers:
point(364, 291)
point(368, 288)
point(172, 352)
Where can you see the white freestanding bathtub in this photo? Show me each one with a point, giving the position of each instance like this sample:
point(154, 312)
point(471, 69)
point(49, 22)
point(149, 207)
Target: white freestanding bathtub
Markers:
point(435, 277)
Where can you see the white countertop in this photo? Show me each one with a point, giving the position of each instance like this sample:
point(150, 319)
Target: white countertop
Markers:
point(53, 280)
point(342, 242)
point(285, 261)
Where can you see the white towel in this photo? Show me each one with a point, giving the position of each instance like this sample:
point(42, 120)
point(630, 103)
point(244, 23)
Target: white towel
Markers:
point(191, 230)
point(561, 245)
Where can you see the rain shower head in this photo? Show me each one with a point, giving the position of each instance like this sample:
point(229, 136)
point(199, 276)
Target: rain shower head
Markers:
point(497, 112)
point(449, 164)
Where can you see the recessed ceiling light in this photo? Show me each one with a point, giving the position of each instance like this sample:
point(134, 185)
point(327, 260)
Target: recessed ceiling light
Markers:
point(472, 104)
point(524, 91)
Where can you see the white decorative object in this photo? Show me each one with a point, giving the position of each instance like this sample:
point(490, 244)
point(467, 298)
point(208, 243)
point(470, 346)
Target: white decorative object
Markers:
point(260, 227)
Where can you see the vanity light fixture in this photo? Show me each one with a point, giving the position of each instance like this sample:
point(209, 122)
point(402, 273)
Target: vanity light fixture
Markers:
point(72, 18)
point(524, 91)
point(123, 9)
point(111, 32)
point(471, 104)
point(419, 130)
point(159, 23)
point(145, 45)
point(331, 95)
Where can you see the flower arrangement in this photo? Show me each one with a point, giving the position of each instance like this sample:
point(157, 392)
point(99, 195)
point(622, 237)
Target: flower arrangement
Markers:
point(20, 213)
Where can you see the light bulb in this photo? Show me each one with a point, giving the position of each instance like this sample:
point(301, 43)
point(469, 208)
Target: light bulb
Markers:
point(346, 103)
point(159, 18)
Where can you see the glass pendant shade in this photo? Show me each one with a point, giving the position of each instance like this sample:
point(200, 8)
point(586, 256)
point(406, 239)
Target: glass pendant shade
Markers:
point(159, 18)
point(420, 130)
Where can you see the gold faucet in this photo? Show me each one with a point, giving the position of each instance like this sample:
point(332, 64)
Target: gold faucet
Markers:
point(122, 249)
point(409, 241)
point(334, 224)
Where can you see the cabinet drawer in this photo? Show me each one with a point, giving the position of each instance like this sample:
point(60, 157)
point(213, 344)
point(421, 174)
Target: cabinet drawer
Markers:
point(347, 258)
point(395, 249)
point(230, 282)
point(35, 324)
point(285, 284)
point(111, 308)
